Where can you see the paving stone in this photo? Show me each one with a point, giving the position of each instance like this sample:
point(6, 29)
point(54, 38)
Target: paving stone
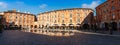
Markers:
point(14, 37)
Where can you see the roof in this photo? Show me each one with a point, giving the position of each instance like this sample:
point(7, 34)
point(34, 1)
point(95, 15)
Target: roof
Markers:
point(66, 9)
point(102, 4)
point(13, 11)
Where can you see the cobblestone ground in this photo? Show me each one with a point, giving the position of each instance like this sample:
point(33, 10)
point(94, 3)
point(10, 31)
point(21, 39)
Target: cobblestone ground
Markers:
point(12, 37)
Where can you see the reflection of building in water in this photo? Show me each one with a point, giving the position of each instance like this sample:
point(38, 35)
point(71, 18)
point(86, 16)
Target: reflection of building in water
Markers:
point(18, 19)
point(108, 13)
point(55, 32)
point(66, 18)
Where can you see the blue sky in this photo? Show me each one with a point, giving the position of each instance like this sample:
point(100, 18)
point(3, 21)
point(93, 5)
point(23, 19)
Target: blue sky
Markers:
point(39, 6)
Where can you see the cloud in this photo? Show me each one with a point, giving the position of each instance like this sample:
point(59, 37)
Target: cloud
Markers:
point(43, 6)
point(3, 4)
point(92, 5)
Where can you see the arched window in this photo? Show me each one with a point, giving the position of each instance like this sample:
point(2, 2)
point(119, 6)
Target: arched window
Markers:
point(35, 26)
point(70, 15)
point(31, 26)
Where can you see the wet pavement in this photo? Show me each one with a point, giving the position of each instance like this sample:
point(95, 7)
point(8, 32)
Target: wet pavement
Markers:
point(14, 37)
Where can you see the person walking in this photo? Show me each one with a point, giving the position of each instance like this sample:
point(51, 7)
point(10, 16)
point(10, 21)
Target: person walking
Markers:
point(95, 27)
point(1, 28)
point(110, 29)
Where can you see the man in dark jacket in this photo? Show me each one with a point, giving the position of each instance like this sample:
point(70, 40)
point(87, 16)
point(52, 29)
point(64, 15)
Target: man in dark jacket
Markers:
point(1, 28)
point(110, 29)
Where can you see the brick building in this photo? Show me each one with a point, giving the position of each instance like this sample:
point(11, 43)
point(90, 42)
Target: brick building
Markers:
point(108, 14)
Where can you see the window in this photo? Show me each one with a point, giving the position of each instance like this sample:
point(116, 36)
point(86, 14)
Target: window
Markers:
point(55, 21)
point(84, 10)
point(21, 16)
point(113, 8)
point(78, 14)
point(16, 17)
point(78, 20)
point(58, 15)
point(86, 21)
point(62, 15)
point(106, 10)
point(47, 16)
point(20, 21)
point(24, 17)
point(107, 4)
point(70, 20)
point(55, 16)
point(16, 20)
point(105, 17)
point(113, 15)
point(119, 3)
point(58, 20)
point(112, 1)
point(35, 26)
point(55, 12)
point(70, 15)
point(10, 17)
point(62, 21)
point(70, 10)
point(10, 21)
point(52, 16)
point(78, 10)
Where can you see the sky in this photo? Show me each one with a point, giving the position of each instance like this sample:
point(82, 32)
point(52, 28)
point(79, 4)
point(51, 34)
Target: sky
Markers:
point(40, 6)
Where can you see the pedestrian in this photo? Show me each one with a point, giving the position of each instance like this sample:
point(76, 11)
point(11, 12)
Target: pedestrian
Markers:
point(95, 27)
point(1, 28)
point(110, 29)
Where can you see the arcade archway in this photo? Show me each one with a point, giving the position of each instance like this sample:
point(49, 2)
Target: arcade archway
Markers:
point(85, 26)
point(114, 26)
